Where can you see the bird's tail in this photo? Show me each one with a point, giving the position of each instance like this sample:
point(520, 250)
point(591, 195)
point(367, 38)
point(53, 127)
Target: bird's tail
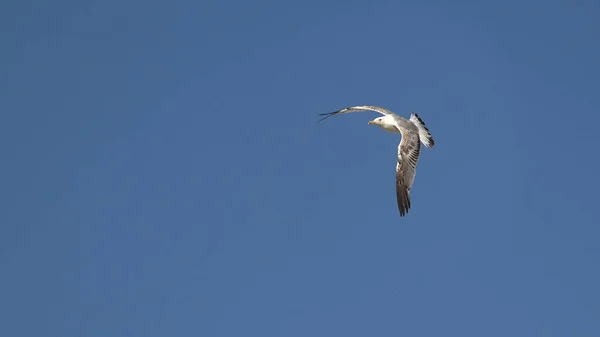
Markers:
point(424, 134)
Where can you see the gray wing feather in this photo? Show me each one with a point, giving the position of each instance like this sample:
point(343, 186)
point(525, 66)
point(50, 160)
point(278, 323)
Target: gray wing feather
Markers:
point(409, 150)
point(357, 108)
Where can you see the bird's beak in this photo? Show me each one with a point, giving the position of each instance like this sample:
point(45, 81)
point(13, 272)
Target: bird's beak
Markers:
point(370, 122)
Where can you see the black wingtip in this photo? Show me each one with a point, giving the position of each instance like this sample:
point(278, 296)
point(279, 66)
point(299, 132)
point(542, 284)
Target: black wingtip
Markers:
point(402, 196)
point(327, 115)
point(404, 205)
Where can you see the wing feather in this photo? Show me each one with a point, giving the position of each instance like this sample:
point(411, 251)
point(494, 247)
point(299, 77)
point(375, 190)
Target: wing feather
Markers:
point(357, 108)
point(409, 150)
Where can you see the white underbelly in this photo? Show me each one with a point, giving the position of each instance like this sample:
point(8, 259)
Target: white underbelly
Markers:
point(390, 128)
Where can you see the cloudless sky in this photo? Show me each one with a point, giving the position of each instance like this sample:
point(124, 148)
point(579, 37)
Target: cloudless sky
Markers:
point(162, 172)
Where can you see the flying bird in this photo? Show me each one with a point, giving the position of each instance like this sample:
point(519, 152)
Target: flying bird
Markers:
point(413, 132)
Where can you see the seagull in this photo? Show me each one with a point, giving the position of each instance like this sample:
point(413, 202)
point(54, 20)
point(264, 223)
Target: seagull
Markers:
point(412, 131)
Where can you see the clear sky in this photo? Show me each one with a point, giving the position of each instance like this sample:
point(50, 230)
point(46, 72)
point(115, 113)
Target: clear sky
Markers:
point(163, 173)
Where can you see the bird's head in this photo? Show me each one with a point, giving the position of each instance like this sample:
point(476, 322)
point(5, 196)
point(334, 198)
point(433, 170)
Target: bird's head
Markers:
point(379, 121)
point(385, 122)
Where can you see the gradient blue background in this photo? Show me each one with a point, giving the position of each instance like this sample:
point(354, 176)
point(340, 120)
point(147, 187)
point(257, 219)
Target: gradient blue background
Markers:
point(163, 174)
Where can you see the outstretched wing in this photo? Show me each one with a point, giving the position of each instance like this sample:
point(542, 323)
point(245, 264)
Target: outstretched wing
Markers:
point(357, 108)
point(408, 156)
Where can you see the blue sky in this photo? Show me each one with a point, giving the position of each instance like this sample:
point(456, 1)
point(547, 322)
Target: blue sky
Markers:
point(163, 173)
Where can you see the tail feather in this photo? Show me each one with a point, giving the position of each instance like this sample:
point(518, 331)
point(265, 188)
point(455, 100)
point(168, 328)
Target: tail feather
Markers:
point(424, 134)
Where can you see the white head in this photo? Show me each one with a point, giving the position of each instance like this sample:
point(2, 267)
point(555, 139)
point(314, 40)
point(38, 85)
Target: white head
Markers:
point(379, 121)
point(385, 122)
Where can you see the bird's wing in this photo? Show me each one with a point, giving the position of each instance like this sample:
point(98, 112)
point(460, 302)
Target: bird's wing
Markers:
point(424, 133)
point(408, 156)
point(357, 108)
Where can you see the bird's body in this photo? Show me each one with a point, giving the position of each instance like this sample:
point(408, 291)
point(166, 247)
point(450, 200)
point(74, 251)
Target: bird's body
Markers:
point(413, 132)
